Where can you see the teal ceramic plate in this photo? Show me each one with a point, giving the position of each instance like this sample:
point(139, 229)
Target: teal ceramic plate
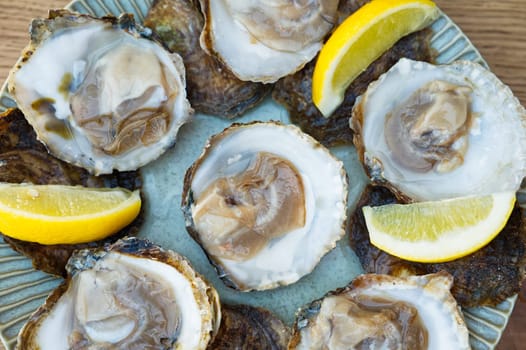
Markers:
point(22, 289)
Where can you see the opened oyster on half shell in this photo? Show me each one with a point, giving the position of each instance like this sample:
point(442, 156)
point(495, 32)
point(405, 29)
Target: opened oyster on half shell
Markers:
point(263, 41)
point(266, 202)
point(432, 132)
point(98, 92)
point(130, 295)
point(384, 312)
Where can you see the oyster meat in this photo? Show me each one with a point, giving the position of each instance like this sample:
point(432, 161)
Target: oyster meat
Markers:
point(266, 202)
point(384, 312)
point(263, 41)
point(211, 87)
point(432, 132)
point(130, 295)
point(24, 159)
point(91, 105)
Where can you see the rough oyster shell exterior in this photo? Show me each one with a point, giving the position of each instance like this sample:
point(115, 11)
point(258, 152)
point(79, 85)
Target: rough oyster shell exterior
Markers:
point(211, 87)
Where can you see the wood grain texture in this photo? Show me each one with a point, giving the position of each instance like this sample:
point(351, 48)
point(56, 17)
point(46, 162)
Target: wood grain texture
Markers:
point(497, 28)
point(15, 18)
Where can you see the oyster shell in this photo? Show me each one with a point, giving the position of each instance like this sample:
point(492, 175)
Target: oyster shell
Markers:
point(263, 41)
point(132, 295)
point(434, 132)
point(384, 312)
point(91, 106)
point(211, 87)
point(250, 328)
point(24, 159)
point(265, 212)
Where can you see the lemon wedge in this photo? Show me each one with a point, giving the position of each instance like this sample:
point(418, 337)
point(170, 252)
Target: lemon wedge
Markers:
point(56, 214)
point(441, 230)
point(359, 40)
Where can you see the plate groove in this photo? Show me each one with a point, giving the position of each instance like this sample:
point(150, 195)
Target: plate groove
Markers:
point(8, 307)
point(28, 285)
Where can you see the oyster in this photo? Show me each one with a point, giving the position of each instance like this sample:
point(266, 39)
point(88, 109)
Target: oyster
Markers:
point(90, 105)
point(485, 277)
point(434, 132)
point(24, 159)
point(212, 89)
point(266, 202)
point(130, 295)
point(384, 312)
point(263, 41)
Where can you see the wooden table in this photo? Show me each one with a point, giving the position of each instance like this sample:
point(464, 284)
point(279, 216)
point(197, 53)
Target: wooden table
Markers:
point(496, 27)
